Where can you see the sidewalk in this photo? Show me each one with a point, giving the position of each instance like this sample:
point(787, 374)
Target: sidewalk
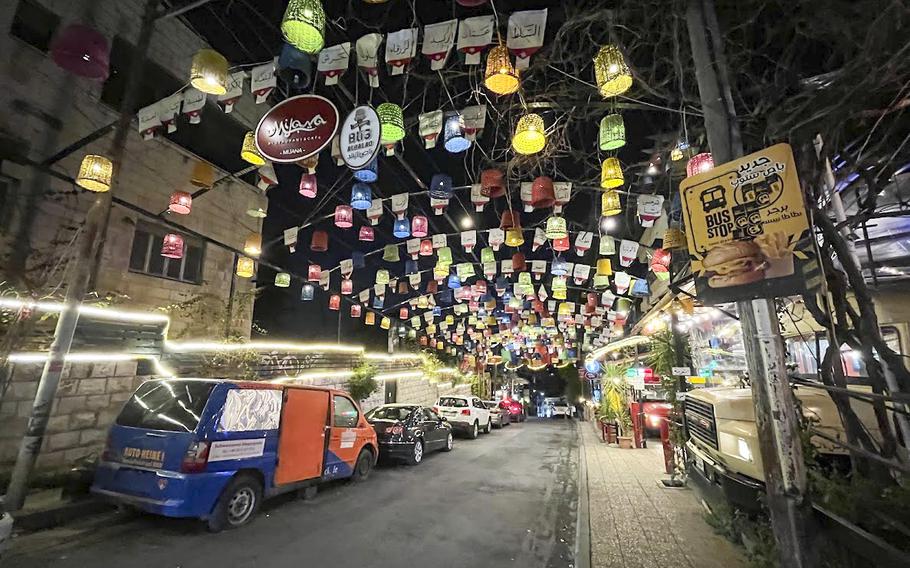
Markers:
point(637, 523)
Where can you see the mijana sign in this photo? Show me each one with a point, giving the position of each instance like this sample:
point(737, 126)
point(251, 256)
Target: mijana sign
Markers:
point(297, 128)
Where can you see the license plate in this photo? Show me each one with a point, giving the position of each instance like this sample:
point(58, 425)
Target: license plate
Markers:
point(700, 463)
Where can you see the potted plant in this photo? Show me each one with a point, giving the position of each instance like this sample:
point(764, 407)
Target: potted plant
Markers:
point(625, 439)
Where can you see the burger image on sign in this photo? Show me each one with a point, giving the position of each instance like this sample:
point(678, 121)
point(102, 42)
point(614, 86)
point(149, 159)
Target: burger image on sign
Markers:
point(297, 128)
point(734, 264)
point(359, 137)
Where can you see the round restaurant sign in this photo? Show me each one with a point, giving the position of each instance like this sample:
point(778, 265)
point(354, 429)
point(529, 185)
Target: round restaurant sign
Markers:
point(296, 128)
point(359, 137)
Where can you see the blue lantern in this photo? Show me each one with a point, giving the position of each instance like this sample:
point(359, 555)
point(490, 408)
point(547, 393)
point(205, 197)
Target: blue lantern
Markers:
point(560, 267)
point(454, 281)
point(446, 297)
point(593, 366)
point(454, 138)
point(357, 259)
point(410, 267)
point(437, 311)
point(501, 284)
point(378, 302)
point(641, 289)
point(296, 68)
point(402, 228)
point(441, 187)
point(306, 293)
point(370, 173)
point(361, 197)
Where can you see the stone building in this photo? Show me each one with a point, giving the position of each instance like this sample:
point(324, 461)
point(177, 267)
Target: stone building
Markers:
point(46, 110)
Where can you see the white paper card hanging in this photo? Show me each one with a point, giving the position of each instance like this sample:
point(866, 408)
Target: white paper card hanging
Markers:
point(368, 56)
point(148, 120)
point(538, 267)
point(400, 49)
point(414, 280)
point(468, 240)
point(583, 242)
point(263, 81)
point(496, 237)
point(193, 103)
point(347, 267)
point(438, 40)
point(526, 35)
point(474, 34)
point(325, 279)
point(430, 127)
point(234, 91)
point(507, 266)
point(563, 192)
point(607, 245)
point(478, 198)
point(649, 208)
point(413, 247)
point(438, 205)
point(400, 203)
point(334, 61)
point(581, 273)
point(527, 193)
point(168, 109)
point(475, 118)
point(364, 296)
point(439, 241)
point(628, 251)
point(290, 237)
point(374, 213)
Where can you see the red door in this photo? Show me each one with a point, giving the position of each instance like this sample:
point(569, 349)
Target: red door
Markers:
point(301, 443)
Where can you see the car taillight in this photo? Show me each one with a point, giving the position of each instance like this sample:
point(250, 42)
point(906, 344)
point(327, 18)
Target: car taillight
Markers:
point(108, 453)
point(466, 412)
point(196, 458)
point(436, 409)
point(395, 430)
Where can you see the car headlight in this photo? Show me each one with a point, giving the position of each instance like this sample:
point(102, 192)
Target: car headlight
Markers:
point(735, 446)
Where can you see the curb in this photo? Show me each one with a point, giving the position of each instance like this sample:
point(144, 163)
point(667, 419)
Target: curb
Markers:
point(583, 519)
point(50, 518)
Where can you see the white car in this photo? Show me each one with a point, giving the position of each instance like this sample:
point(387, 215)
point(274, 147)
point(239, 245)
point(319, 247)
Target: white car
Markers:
point(6, 529)
point(466, 414)
point(558, 406)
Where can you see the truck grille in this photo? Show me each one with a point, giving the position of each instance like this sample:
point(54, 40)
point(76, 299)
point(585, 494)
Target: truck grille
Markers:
point(700, 421)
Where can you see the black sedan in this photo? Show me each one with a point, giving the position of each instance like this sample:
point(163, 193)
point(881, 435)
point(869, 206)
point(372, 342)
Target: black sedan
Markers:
point(408, 431)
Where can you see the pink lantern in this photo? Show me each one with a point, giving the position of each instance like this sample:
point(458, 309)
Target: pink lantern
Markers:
point(308, 186)
point(561, 245)
point(403, 313)
point(181, 203)
point(347, 286)
point(172, 246)
point(699, 164)
point(335, 302)
point(367, 234)
point(660, 261)
point(426, 247)
point(419, 226)
point(314, 273)
point(356, 310)
point(82, 51)
point(344, 216)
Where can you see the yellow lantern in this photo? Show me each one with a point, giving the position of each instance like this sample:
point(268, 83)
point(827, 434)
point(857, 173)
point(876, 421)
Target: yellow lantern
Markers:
point(611, 174)
point(249, 152)
point(514, 237)
point(500, 77)
point(610, 204)
point(95, 173)
point(386, 323)
point(209, 72)
point(613, 75)
point(245, 267)
point(203, 174)
point(253, 245)
point(530, 135)
point(370, 318)
point(604, 267)
point(303, 25)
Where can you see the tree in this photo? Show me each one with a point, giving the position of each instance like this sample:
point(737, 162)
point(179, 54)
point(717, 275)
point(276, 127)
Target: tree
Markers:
point(363, 383)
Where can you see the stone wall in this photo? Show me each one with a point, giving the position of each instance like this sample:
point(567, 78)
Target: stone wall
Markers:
point(60, 109)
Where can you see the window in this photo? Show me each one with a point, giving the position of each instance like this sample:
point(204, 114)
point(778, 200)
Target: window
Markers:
point(34, 24)
point(345, 413)
point(453, 402)
point(174, 406)
point(399, 413)
point(248, 410)
point(206, 139)
point(430, 416)
point(805, 355)
point(146, 258)
point(477, 404)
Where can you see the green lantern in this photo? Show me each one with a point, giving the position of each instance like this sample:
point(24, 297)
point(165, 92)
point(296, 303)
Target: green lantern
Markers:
point(487, 255)
point(444, 257)
point(556, 228)
point(465, 270)
point(524, 279)
point(601, 281)
point(303, 25)
point(282, 280)
point(612, 132)
point(391, 118)
point(390, 253)
point(382, 276)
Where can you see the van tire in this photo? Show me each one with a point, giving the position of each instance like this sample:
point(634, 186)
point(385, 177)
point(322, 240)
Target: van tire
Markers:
point(362, 466)
point(230, 511)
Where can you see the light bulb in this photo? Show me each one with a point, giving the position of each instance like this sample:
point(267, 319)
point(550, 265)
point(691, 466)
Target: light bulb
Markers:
point(467, 222)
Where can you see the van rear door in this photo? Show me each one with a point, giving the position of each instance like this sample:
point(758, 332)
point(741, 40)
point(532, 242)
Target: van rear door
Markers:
point(158, 423)
point(301, 442)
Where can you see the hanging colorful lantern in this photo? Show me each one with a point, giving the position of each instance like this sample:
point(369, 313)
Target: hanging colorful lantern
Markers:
point(366, 234)
point(403, 313)
point(660, 264)
point(391, 118)
point(335, 302)
point(319, 242)
point(390, 253)
point(487, 255)
point(514, 237)
point(308, 187)
point(510, 219)
point(386, 323)
point(611, 174)
point(419, 226)
point(543, 195)
point(245, 267)
point(441, 187)
point(604, 267)
point(209, 72)
point(249, 152)
point(347, 286)
point(370, 318)
point(454, 282)
point(426, 247)
point(382, 277)
point(560, 267)
point(699, 164)
point(519, 264)
point(361, 197)
point(611, 71)
point(253, 245)
point(314, 273)
point(82, 51)
point(203, 174)
point(307, 292)
point(368, 174)
point(282, 280)
point(561, 244)
point(612, 132)
point(500, 76)
point(556, 228)
point(492, 183)
point(610, 203)
point(454, 138)
point(356, 310)
point(303, 25)
point(402, 228)
point(172, 246)
point(444, 257)
point(95, 173)
point(530, 135)
point(344, 217)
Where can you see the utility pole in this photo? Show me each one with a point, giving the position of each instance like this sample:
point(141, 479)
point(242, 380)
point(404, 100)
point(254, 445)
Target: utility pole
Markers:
point(775, 405)
point(80, 270)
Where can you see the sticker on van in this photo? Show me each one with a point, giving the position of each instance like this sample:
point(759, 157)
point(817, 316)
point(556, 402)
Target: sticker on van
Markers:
point(348, 437)
point(143, 457)
point(236, 450)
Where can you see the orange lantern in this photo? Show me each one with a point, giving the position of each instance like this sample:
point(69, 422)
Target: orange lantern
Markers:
point(492, 183)
point(543, 195)
point(319, 242)
point(335, 302)
point(510, 220)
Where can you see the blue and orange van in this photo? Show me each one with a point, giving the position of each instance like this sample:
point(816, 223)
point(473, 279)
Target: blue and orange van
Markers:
point(214, 449)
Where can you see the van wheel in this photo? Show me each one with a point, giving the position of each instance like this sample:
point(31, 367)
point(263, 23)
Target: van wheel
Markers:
point(475, 430)
point(308, 493)
point(363, 466)
point(237, 505)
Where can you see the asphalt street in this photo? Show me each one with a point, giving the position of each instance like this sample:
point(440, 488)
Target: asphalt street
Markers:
point(509, 498)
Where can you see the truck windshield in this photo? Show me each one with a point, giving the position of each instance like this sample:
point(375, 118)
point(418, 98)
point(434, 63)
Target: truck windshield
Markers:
point(173, 406)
